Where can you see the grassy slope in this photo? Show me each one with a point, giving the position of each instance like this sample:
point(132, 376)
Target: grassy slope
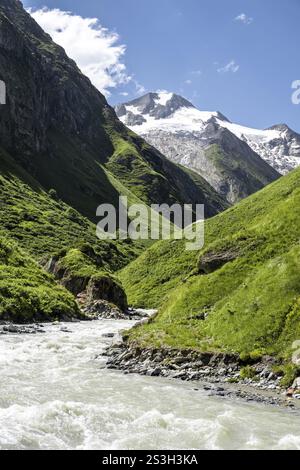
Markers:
point(27, 292)
point(43, 225)
point(250, 303)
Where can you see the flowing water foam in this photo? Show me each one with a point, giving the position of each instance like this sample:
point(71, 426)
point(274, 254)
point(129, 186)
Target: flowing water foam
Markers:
point(57, 394)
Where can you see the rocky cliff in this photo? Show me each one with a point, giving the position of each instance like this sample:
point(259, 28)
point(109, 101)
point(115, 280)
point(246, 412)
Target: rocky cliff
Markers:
point(61, 129)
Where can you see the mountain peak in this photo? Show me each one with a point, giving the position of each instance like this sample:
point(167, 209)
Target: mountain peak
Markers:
point(162, 105)
point(284, 128)
point(158, 105)
point(279, 127)
point(160, 98)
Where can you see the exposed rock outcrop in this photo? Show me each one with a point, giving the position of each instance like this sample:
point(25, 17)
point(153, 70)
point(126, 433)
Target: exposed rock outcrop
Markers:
point(210, 262)
point(92, 286)
point(104, 287)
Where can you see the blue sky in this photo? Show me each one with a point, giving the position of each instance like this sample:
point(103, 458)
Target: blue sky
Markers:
point(242, 67)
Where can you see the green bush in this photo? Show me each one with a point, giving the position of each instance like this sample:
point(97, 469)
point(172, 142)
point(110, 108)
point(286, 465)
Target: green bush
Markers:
point(248, 372)
point(289, 373)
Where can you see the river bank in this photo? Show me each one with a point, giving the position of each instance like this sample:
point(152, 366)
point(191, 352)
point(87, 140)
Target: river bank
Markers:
point(219, 374)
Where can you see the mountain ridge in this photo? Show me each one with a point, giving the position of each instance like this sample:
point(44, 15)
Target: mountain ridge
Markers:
point(280, 148)
point(60, 128)
point(202, 141)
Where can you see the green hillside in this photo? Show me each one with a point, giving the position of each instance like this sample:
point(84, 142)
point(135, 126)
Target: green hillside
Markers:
point(27, 292)
point(51, 231)
point(240, 293)
point(43, 225)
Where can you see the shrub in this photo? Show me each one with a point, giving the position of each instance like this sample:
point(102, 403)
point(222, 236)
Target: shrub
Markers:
point(248, 372)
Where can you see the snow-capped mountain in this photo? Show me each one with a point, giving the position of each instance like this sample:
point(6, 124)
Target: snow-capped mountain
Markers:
point(278, 145)
point(228, 156)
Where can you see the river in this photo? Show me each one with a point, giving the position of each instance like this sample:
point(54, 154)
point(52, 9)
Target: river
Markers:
point(57, 394)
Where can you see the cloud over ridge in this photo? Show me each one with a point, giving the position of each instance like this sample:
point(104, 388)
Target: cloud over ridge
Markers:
point(95, 49)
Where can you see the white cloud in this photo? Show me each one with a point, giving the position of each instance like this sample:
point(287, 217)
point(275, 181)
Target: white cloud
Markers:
point(124, 93)
point(188, 82)
point(232, 66)
point(243, 18)
point(140, 89)
point(95, 49)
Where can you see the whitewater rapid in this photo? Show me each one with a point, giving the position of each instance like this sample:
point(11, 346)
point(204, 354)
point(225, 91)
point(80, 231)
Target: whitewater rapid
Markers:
point(56, 394)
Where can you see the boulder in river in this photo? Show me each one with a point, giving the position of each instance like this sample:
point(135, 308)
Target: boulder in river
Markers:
point(103, 309)
point(296, 384)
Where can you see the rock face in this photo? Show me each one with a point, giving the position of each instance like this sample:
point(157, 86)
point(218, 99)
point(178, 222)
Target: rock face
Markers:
point(89, 287)
point(60, 128)
point(74, 282)
point(103, 287)
point(206, 142)
point(45, 89)
point(210, 262)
